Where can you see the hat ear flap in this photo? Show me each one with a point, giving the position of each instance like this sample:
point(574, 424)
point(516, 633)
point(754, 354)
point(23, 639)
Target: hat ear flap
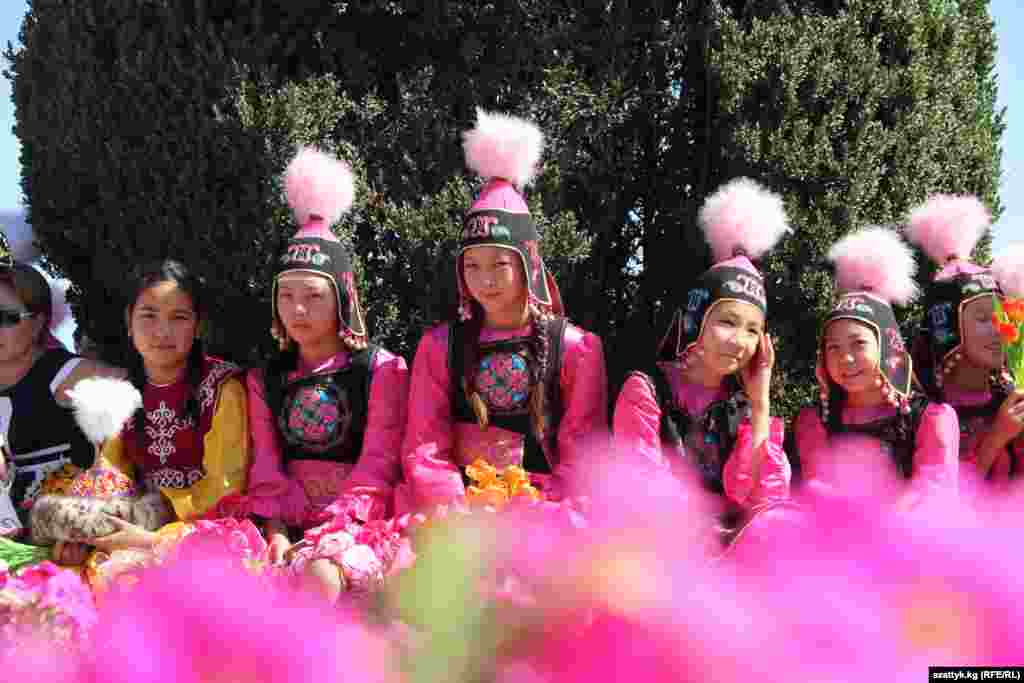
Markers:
point(671, 346)
point(557, 307)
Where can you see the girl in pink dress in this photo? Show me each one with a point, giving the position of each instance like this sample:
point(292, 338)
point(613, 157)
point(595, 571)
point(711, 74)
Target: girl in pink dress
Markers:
point(510, 381)
point(865, 375)
point(327, 412)
point(705, 407)
point(958, 355)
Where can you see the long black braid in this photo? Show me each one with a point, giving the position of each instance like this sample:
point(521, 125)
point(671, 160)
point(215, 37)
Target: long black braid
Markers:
point(471, 346)
point(278, 367)
point(539, 360)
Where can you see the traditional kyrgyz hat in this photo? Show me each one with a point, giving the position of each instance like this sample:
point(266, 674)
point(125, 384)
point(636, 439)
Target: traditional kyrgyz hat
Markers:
point(741, 221)
point(320, 190)
point(947, 228)
point(874, 269)
point(505, 151)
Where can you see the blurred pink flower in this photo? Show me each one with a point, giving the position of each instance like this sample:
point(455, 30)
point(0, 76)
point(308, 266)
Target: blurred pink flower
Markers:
point(201, 617)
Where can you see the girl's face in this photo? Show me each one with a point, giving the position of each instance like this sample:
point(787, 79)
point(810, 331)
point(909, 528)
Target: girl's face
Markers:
point(981, 343)
point(162, 324)
point(17, 337)
point(308, 307)
point(495, 279)
point(852, 356)
point(730, 337)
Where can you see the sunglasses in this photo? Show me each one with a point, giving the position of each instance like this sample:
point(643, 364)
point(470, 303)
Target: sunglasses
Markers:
point(12, 318)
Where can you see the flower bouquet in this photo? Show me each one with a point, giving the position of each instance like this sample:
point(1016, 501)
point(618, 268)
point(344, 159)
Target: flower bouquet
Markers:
point(495, 488)
point(1009, 320)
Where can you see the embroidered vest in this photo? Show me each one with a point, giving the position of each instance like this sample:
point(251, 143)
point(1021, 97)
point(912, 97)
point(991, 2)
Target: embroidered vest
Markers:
point(323, 416)
point(169, 452)
point(707, 439)
point(898, 433)
point(503, 383)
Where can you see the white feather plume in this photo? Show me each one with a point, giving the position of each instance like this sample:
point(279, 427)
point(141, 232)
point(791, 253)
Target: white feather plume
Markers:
point(103, 405)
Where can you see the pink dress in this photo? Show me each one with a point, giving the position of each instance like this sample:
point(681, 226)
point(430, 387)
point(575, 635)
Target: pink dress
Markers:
point(438, 447)
point(343, 507)
point(861, 466)
point(637, 429)
point(975, 420)
point(933, 467)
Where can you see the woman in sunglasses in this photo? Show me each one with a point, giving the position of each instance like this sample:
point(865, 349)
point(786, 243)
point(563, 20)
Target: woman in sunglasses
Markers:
point(37, 425)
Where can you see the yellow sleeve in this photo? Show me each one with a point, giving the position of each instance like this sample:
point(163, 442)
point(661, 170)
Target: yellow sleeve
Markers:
point(225, 456)
point(112, 456)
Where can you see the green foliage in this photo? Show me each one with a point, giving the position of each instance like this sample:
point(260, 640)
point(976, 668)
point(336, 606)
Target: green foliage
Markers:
point(855, 117)
point(132, 150)
point(158, 127)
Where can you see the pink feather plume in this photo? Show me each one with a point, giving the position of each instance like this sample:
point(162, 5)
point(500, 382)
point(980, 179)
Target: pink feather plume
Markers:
point(502, 146)
point(948, 226)
point(875, 260)
point(742, 215)
point(1008, 269)
point(318, 186)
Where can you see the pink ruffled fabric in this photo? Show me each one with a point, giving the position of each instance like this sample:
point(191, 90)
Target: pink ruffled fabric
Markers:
point(436, 448)
point(301, 495)
point(935, 468)
point(970, 477)
point(752, 477)
point(365, 553)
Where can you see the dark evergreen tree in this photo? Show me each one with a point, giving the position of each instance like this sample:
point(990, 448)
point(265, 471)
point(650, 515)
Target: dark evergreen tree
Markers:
point(162, 128)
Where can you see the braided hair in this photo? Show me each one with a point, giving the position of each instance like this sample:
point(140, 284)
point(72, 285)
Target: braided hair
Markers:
point(539, 361)
point(145, 277)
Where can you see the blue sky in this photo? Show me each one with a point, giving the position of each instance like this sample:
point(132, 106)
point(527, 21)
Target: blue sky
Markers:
point(1007, 14)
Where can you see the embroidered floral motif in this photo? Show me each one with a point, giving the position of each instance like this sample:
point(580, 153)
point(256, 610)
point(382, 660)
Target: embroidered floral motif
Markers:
point(503, 380)
point(168, 478)
point(316, 417)
point(896, 341)
point(163, 424)
point(102, 483)
point(207, 388)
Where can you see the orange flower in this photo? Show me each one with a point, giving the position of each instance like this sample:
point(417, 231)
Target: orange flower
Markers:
point(1009, 332)
point(1014, 309)
point(482, 473)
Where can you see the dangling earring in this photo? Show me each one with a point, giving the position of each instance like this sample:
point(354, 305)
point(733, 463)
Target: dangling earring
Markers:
point(280, 336)
point(947, 368)
point(465, 313)
point(889, 392)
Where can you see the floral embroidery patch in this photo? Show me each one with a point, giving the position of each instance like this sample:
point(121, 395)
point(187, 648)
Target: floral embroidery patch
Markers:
point(503, 380)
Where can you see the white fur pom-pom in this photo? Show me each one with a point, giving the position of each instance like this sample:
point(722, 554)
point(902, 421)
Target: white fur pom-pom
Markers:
point(875, 260)
point(502, 146)
point(317, 184)
point(948, 227)
point(744, 217)
point(103, 405)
